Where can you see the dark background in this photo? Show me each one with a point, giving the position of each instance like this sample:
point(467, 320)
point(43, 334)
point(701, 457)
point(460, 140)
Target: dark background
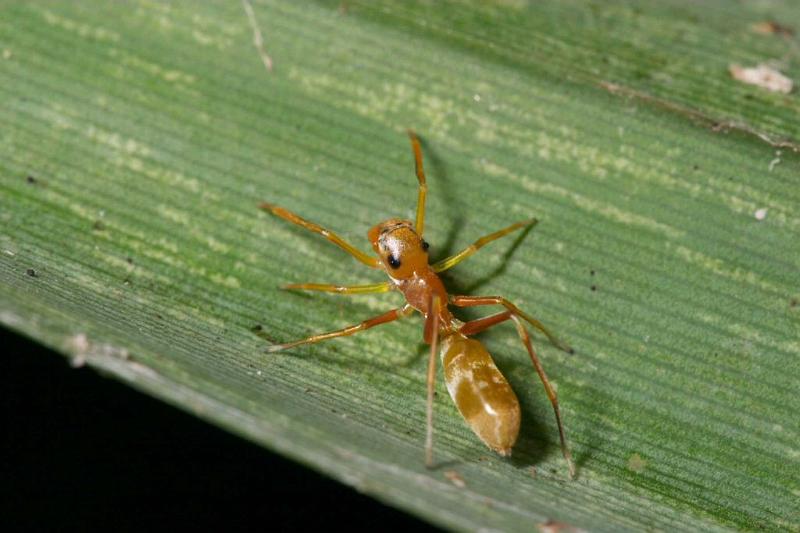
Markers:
point(81, 451)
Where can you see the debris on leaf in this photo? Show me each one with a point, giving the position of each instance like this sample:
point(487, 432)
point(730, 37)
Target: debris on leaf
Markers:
point(770, 27)
point(775, 161)
point(554, 526)
point(763, 76)
point(761, 214)
point(455, 478)
point(636, 463)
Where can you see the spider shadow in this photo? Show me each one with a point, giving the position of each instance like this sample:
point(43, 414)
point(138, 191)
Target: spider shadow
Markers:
point(442, 188)
point(533, 443)
point(459, 287)
point(591, 433)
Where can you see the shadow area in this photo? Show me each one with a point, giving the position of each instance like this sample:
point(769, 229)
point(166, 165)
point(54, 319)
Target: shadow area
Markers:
point(456, 286)
point(532, 444)
point(591, 433)
point(538, 437)
point(441, 187)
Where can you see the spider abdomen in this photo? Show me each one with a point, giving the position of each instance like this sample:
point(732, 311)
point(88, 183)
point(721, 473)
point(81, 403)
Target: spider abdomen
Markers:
point(483, 396)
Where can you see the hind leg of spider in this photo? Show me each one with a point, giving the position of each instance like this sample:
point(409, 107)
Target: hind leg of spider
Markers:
point(551, 393)
point(432, 325)
point(474, 327)
point(389, 316)
point(453, 260)
point(316, 228)
point(341, 289)
point(470, 301)
point(423, 185)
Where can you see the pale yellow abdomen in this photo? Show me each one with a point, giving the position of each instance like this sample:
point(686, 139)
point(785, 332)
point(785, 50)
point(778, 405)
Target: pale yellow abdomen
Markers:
point(481, 392)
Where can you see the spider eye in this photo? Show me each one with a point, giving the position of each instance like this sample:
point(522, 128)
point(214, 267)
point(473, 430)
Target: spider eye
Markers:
point(394, 262)
point(425, 245)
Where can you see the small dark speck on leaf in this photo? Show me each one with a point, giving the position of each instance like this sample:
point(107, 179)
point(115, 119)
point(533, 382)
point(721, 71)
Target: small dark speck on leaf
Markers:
point(98, 226)
point(793, 302)
point(257, 328)
point(594, 287)
point(30, 179)
point(695, 167)
point(129, 260)
point(591, 272)
point(158, 316)
point(31, 272)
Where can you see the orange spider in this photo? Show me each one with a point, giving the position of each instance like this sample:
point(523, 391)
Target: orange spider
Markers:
point(479, 390)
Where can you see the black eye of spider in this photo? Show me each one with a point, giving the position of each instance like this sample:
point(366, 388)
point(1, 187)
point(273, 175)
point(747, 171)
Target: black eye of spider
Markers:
point(394, 262)
point(425, 245)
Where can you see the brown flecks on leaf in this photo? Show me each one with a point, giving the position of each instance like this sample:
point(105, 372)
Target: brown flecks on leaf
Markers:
point(83, 350)
point(793, 302)
point(698, 116)
point(79, 345)
point(258, 39)
point(763, 76)
point(770, 27)
point(554, 526)
point(636, 463)
point(455, 478)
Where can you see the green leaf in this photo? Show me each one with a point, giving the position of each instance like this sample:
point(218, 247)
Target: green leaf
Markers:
point(138, 139)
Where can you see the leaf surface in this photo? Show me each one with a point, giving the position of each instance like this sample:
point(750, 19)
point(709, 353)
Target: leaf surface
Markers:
point(138, 139)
